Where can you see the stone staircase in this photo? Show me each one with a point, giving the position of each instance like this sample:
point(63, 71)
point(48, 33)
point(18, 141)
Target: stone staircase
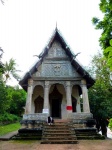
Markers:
point(84, 132)
point(61, 132)
point(88, 134)
point(58, 133)
point(28, 134)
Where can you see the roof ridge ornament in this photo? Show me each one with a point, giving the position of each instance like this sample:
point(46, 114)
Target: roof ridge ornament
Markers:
point(56, 26)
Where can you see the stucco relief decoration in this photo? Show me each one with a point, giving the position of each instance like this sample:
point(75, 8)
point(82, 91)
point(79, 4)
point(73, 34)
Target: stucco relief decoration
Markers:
point(57, 69)
point(56, 50)
point(37, 74)
point(65, 70)
point(59, 51)
point(47, 71)
point(51, 53)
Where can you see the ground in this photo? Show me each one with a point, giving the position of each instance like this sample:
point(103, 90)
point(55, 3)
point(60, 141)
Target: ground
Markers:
point(35, 145)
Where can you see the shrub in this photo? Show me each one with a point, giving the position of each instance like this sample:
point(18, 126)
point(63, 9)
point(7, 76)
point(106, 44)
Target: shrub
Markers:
point(110, 124)
point(7, 118)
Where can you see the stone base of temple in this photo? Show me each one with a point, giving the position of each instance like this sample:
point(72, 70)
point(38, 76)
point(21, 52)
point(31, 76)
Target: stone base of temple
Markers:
point(79, 116)
point(71, 116)
point(36, 116)
point(79, 125)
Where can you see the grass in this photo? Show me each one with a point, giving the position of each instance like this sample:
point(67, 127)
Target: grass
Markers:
point(4, 129)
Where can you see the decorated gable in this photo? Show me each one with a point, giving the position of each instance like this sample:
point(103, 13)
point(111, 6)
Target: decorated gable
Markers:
point(56, 63)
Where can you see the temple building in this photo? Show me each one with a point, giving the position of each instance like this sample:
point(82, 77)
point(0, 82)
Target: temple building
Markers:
point(56, 82)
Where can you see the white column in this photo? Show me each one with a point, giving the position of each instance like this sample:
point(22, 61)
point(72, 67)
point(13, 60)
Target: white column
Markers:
point(68, 97)
point(86, 107)
point(46, 97)
point(29, 97)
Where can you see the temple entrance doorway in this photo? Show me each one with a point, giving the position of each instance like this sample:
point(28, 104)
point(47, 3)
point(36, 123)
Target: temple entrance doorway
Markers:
point(55, 103)
point(56, 108)
point(74, 103)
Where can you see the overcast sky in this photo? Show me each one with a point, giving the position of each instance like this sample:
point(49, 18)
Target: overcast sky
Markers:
point(27, 25)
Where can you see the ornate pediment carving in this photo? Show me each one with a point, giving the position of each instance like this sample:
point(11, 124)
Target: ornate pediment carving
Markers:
point(56, 50)
point(56, 64)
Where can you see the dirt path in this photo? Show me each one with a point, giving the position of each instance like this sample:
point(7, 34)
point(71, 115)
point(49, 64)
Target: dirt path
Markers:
point(35, 145)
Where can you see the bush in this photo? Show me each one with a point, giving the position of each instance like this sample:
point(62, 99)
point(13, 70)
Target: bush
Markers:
point(110, 124)
point(7, 118)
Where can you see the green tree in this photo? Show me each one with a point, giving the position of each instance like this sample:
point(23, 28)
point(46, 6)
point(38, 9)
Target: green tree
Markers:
point(1, 64)
point(12, 101)
point(10, 70)
point(108, 54)
point(106, 26)
point(3, 98)
point(110, 124)
point(100, 94)
point(18, 101)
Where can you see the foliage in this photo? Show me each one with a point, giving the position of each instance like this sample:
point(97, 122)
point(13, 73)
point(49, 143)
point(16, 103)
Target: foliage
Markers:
point(12, 101)
point(110, 124)
point(108, 54)
point(1, 64)
point(106, 26)
point(4, 98)
point(1, 52)
point(10, 70)
point(7, 118)
point(100, 94)
point(18, 101)
point(9, 128)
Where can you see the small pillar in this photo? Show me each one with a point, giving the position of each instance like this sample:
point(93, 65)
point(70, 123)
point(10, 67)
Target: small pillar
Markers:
point(29, 97)
point(86, 107)
point(68, 97)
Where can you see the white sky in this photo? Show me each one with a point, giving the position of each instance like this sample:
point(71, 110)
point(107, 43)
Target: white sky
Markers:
point(27, 25)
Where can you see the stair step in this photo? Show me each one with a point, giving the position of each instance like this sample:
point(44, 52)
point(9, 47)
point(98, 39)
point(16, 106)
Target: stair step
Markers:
point(90, 137)
point(51, 130)
point(59, 137)
point(60, 133)
point(62, 120)
point(62, 138)
point(56, 129)
point(57, 125)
